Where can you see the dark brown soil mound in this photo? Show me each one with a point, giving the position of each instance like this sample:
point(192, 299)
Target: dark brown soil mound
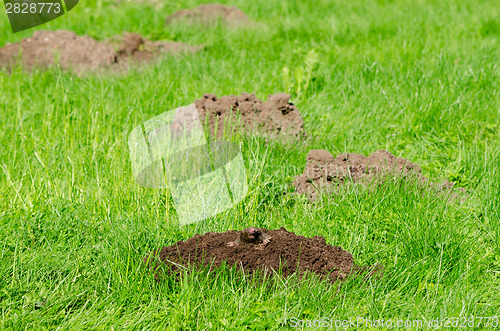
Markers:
point(285, 251)
point(276, 116)
point(83, 53)
point(209, 14)
point(323, 172)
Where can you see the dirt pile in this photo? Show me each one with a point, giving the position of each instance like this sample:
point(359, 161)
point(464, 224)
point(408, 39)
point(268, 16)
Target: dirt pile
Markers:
point(323, 172)
point(276, 116)
point(284, 251)
point(83, 53)
point(209, 14)
point(131, 46)
point(156, 3)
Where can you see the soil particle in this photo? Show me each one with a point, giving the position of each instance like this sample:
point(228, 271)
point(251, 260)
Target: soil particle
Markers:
point(83, 53)
point(286, 251)
point(276, 116)
point(209, 14)
point(323, 172)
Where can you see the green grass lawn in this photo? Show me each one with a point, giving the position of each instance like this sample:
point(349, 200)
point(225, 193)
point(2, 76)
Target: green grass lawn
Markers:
point(418, 78)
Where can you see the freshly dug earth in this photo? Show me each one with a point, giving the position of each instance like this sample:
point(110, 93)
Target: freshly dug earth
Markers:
point(209, 14)
point(72, 51)
point(323, 172)
point(285, 251)
point(156, 3)
point(83, 53)
point(276, 116)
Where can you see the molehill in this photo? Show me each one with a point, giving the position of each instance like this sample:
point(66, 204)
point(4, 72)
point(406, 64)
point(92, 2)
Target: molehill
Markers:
point(280, 250)
point(323, 172)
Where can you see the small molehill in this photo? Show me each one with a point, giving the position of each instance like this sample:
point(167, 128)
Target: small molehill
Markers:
point(83, 53)
point(274, 117)
point(132, 48)
point(323, 172)
point(269, 251)
point(209, 14)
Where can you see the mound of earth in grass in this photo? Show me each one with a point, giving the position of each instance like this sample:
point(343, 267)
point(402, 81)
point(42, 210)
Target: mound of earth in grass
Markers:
point(323, 172)
point(285, 252)
point(83, 53)
point(209, 14)
point(133, 47)
point(156, 3)
point(274, 117)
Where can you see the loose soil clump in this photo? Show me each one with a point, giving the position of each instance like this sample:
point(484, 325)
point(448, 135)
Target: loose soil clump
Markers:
point(83, 53)
point(136, 49)
point(323, 172)
point(267, 251)
point(209, 14)
point(227, 114)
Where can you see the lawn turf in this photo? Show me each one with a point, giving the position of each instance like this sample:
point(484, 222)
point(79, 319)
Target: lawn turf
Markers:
point(420, 79)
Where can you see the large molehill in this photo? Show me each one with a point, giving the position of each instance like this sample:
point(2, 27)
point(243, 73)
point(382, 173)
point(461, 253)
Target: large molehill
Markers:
point(285, 252)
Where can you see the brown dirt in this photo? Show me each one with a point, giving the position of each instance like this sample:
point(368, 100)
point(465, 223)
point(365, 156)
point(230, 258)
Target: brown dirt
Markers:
point(209, 14)
point(83, 53)
point(138, 49)
point(156, 3)
point(276, 116)
point(323, 172)
point(285, 250)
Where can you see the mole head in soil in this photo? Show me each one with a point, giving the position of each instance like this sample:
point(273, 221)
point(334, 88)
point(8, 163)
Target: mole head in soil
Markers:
point(251, 235)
